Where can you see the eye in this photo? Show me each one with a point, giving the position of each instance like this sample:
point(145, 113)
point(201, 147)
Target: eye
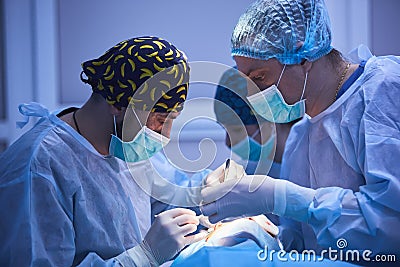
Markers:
point(257, 77)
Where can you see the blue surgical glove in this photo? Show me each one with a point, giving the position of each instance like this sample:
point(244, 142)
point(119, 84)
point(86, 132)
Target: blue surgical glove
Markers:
point(256, 194)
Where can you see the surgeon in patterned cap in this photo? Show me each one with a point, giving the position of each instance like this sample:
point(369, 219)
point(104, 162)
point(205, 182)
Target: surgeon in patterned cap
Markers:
point(74, 177)
point(139, 87)
point(144, 81)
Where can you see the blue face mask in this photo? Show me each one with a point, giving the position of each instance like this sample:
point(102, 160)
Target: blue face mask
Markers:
point(250, 150)
point(145, 144)
point(271, 105)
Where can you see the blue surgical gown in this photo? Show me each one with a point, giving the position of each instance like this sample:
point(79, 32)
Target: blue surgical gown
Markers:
point(64, 204)
point(350, 153)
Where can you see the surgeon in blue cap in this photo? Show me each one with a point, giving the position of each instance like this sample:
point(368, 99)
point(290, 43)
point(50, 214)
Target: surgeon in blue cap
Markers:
point(255, 143)
point(250, 147)
point(340, 167)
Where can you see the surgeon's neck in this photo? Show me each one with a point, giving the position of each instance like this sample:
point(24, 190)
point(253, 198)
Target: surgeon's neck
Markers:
point(323, 83)
point(96, 124)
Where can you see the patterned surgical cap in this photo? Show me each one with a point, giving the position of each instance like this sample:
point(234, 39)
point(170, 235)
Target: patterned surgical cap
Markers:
point(288, 30)
point(147, 73)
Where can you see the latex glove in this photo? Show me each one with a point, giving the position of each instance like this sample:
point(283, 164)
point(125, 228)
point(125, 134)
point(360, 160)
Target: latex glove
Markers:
point(253, 195)
point(234, 172)
point(169, 233)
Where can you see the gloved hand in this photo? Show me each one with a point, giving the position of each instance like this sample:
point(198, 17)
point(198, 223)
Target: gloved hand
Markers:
point(235, 171)
point(253, 195)
point(169, 233)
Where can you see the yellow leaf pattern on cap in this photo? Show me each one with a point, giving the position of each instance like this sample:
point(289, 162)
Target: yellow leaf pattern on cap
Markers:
point(141, 59)
point(157, 67)
point(159, 44)
point(146, 73)
point(108, 60)
point(118, 57)
point(146, 46)
point(169, 53)
point(123, 70)
point(100, 85)
point(107, 70)
point(91, 70)
point(166, 83)
point(182, 88)
point(121, 85)
point(109, 77)
point(165, 96)
point(159, 59)
point(123, 46)
point(132, 64)
point(152, 92)
point(153, 54)
point(145, 87)
point(162, 105)
point(119, 96)
point(98, 63)
point(133, 85)
point(123, 75)
point(130, 49)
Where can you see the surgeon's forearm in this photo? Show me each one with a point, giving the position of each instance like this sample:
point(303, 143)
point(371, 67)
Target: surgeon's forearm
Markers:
point(291, 200)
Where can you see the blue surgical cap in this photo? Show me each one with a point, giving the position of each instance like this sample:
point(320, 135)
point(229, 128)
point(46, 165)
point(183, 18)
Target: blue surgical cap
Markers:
point(288, 30)
point(231, 106)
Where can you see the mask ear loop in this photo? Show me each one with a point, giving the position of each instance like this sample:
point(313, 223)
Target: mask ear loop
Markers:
point(115, 126)
point(255, 133)
point(280, 77)
point(304, 86)
point(141, 125)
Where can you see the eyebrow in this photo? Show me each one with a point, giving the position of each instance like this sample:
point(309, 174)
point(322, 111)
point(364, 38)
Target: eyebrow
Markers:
point(168, 115)
point(256, 68)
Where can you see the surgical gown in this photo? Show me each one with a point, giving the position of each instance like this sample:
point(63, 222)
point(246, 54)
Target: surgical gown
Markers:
point(64, 204)
point(350, 153)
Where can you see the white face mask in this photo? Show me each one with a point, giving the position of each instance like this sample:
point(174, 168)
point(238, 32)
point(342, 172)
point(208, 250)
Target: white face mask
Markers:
point(145, 144)
point(271, 105)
